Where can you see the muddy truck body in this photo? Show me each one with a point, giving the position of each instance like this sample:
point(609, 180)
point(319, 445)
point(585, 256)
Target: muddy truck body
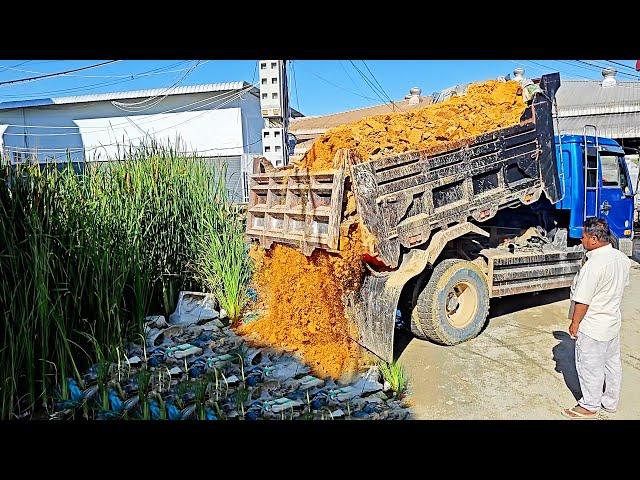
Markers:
point(493, 215)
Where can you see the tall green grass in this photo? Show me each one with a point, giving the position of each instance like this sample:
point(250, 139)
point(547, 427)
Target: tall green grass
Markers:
point(95, 252)
point(223, 263)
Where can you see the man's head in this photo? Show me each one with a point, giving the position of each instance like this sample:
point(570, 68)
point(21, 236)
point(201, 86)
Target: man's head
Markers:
point(595, 233)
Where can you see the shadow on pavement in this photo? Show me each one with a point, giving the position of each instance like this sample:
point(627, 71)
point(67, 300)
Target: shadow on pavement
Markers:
point(499, 307)
point(564, 356)
point(401, 339)
point(514, 303)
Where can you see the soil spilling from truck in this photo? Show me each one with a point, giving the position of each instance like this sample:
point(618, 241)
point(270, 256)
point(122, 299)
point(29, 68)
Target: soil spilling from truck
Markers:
point(303, 295)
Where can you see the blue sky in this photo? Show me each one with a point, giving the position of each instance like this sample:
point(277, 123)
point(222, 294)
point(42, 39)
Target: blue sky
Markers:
point(317, 87)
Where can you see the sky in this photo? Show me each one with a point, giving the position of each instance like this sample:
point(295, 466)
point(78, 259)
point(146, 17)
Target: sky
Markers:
point(316, 87)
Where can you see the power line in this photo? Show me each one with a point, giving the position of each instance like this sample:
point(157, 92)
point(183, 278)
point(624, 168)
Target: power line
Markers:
point(378, 83)
point(295, 83)
point(148, 103)
point(622, 65)
point(48, 75)
point(213, 98)
point(368, 82)
point(11, 68)
point(76, 150)
point(547, 67)
point(133, 76)
point(127, 75)
point(341, 88)
point(598, 68)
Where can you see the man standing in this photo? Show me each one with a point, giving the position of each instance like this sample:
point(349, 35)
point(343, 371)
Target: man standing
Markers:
point(595, 316)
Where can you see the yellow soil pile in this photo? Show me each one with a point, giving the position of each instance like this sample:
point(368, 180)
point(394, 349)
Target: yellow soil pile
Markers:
point(304, 299)
point(486, 106)
point(304, 295)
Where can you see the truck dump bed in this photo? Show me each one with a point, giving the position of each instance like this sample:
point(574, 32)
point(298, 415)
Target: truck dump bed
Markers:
point(402, 199)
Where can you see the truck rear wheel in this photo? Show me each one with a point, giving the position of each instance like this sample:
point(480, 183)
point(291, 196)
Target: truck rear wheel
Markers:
point(453, 305)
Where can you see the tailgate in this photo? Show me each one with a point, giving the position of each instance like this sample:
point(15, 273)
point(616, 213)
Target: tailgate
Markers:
point(296, 207)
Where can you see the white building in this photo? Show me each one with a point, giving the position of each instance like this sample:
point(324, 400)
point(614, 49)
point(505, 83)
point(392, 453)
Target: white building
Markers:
point(217, 121)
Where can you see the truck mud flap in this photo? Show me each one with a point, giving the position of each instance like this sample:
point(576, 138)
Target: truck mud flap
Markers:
point(374, 307)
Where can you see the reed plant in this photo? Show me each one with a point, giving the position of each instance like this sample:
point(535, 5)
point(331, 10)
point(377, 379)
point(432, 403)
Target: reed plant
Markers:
point(96, 249)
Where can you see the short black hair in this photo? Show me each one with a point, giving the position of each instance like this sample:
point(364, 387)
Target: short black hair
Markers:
point(597, 227)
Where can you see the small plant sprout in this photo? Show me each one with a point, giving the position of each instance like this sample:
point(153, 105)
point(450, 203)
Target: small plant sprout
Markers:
point(241, 366)
point(226, 384)
point(144, 346)
point(395, 375)
point(215, 371)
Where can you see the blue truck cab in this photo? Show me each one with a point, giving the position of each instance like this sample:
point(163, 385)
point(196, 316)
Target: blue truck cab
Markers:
point(595, 185)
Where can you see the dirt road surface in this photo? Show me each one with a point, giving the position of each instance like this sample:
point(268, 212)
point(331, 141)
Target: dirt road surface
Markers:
point(521, 366)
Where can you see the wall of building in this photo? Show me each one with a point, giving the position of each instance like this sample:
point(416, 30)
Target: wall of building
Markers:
point(215, 125)
point(208, 123)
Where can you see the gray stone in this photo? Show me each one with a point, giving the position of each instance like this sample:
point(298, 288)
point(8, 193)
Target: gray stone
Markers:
point(310, 381)
point(157, 337)
point(337, 413)
point(276, 406)
point(156, 321)
point(286, 370)
point(193, 308)
point(213, 325)
point(184, 350)
point(364, 386)
point(134, 360)
point(343, 394)
point(219, 360)
point(175, 371)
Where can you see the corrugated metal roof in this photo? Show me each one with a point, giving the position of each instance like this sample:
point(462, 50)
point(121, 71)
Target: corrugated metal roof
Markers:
point(100, 97)
point(588, 97)
point(620, 125)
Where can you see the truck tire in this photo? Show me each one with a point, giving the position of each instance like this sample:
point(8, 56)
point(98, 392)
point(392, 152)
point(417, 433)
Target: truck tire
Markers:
point(453, 305)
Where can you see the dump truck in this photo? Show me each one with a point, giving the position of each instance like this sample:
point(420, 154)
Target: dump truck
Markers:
point(497, 214)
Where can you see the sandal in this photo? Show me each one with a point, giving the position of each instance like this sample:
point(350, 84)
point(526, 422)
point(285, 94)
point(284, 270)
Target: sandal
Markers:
point(608, 410)
point(573, 414)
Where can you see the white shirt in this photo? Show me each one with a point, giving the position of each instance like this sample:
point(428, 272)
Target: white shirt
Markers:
point(599, 284)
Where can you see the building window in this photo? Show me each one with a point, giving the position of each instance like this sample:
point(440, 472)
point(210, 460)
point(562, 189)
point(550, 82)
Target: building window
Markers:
point(266, 134)
point(274, 64)
point(277, 133)
point(263, 66)
point(267, 149)
point(264, 81)
point(274, 95)
point(264, 96)
point(277, 148)
point(17, 157)
point(273, 81)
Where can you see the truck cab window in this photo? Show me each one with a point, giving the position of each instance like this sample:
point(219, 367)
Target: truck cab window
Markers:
point(624, 181)
point(610, 170)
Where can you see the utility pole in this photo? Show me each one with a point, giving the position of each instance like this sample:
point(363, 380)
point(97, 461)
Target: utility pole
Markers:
point(274, 106)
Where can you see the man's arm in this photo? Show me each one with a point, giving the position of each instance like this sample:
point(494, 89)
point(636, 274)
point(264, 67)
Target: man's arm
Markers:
point(579, 312)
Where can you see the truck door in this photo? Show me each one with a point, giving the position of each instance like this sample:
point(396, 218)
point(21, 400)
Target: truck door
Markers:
point(616, 194)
